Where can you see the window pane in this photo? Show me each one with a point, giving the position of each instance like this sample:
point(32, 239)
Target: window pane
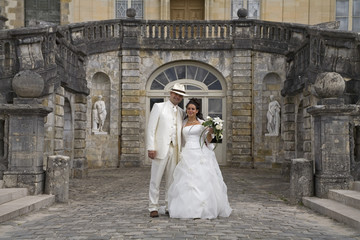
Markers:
point(343, 23)
point(155, 85)
point(138, 6)
point(254, 9)
point(155, 100)
point(215, 107)
point(356, 24)
point(191, 87)
point(236, 5)
point(120, 8)
point(342, 8)
point(180, 70)
point(170, 73)
point(191, 71)
point(215, 86)
point(356, 9)
point(162, 79)
point(201, 74)
point(209, 79)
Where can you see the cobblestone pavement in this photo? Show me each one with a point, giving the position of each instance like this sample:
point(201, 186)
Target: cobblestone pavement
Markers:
point(112, 204)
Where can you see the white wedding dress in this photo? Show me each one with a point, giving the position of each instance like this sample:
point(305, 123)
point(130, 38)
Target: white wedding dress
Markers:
point(198, 189)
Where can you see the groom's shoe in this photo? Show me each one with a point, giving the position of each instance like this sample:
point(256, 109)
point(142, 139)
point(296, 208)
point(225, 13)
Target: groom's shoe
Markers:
point(154, 214)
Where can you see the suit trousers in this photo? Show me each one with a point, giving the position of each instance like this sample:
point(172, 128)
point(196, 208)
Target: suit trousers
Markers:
point(160, 167)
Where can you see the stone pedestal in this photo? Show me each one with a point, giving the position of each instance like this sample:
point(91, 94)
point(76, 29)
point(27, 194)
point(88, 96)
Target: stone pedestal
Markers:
point(26, 145)
point(301, 180)
point(57, 177)
point(331, 145)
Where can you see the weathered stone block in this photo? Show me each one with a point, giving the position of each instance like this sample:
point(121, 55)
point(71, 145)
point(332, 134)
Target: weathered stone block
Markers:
point(79, 143)
point(80, 98)
point(301, 180)
point(59, 110)
point(58, 144)
point(242, 79)
point(126, 99)
point(130, 112)
point(78, 125)
point(57, 177)
point(80, 116)
point(59, 100)
point(241, 112)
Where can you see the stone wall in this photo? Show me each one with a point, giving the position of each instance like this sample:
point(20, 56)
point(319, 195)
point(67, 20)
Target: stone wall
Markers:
point(103, 78)
point(269, 75)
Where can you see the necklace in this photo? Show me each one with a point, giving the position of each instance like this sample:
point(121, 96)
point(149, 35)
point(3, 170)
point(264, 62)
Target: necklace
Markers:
point(192, 121)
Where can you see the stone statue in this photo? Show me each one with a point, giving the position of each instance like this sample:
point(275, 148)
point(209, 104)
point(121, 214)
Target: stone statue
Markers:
point(99, 114)
point(273, 117)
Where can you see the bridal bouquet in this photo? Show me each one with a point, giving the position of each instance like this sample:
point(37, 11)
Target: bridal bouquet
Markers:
point(217, 125)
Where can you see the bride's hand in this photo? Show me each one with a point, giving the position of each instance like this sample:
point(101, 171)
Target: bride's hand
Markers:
point(211, 131)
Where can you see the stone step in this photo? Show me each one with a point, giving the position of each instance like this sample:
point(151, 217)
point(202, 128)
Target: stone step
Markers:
point(10, 194)
point(24, 205)
point(356, 186)
point(334, 210)
point(348, 197)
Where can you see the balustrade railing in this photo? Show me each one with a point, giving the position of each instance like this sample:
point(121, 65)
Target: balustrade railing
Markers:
point(186, 30)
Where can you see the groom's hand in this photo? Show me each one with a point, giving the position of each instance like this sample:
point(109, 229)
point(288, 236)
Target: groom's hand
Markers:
point(152, 154)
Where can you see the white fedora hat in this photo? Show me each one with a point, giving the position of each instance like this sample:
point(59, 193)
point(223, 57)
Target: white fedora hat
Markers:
point(178, 89)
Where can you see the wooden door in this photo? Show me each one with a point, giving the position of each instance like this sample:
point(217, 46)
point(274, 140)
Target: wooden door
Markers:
point(187, 9)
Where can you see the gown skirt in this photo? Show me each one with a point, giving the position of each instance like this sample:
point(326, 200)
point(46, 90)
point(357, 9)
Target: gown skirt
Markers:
point(198, 189)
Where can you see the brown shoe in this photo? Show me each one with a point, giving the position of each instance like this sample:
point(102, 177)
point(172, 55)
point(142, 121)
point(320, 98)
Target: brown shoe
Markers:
point(154, 214)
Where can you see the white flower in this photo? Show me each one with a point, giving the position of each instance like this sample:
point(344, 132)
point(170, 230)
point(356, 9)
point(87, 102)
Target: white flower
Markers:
point(220, 136)
point(208, 118)
point(218, 127)
point(217, 120)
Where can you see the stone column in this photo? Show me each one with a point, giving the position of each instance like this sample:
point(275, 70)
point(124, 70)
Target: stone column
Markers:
point(26, 133)
point(331, 134)
point(130, 101)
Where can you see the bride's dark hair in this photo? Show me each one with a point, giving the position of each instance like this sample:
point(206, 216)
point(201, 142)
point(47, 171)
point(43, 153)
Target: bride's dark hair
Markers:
point(196, 103)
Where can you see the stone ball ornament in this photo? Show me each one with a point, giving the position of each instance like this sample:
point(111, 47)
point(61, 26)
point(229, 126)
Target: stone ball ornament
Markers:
point(329, 85)
point(28, 84)
point(242, 13)
point(130, 13)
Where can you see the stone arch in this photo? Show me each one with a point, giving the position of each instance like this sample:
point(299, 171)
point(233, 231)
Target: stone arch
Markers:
point(68, 134)
point(101, 86)
point(271, 86)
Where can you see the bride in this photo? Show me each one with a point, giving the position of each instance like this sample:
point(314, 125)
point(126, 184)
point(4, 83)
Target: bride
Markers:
point(198, 189)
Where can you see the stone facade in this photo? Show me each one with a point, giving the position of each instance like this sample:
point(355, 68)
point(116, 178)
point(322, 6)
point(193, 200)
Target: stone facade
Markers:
point(74, 11)
point(120, 60)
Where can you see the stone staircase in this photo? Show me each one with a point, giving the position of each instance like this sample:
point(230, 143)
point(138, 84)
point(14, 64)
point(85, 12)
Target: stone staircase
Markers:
point(15, 202)
point(341, 205)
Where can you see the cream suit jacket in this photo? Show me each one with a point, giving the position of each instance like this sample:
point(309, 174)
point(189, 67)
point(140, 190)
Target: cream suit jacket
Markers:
point(160, 123)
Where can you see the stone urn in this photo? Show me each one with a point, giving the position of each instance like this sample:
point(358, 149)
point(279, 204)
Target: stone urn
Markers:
point(28, 84)
point(329, 85)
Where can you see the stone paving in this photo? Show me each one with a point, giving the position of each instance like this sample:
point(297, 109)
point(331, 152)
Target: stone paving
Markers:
point(112, 204)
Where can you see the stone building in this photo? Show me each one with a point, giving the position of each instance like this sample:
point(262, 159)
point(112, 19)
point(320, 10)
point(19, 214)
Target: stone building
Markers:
point(51, 75)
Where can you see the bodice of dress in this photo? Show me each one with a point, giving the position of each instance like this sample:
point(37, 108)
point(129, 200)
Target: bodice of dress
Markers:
point(191, 135)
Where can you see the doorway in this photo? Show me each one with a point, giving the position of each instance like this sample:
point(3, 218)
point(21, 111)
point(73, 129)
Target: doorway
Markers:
point(187, 9)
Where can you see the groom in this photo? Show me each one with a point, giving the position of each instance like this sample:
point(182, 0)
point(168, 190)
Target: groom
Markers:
point(163, 144)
